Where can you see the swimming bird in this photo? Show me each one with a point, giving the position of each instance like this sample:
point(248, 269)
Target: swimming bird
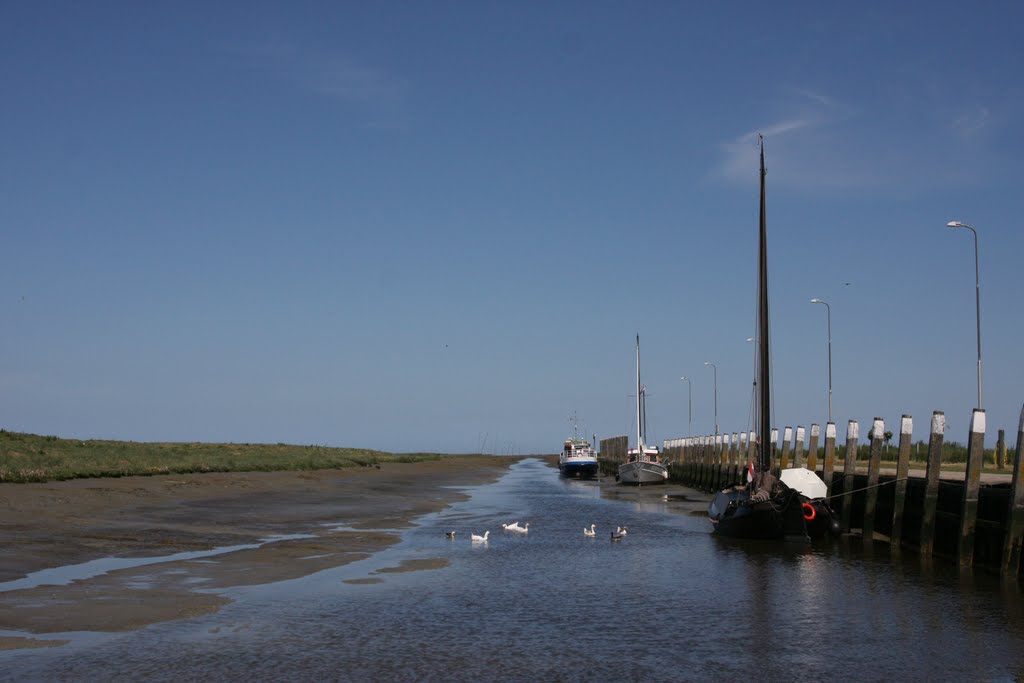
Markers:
point(621, 531)
point(479, 539)
point(520, 529)
point(450, 534)
point(616, 537)
point(514, 526)
point(589, 532)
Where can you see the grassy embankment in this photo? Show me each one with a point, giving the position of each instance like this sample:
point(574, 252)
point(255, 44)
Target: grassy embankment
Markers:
point(29, 457)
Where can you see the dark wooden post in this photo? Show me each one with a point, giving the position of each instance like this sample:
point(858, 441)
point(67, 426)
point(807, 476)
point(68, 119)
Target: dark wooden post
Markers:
point(874, 465)
point(705, 477)
point(773, 451)
point(787, 435)
point(751, 446)
point(798, 447)
point(902, 471)
point(849, 469)
point(698, 460)
point(931, 491)
point(723, 454)
point(1015, 518)
point(1001, 449)
point(699, 463)
point(730, 467)
point(829, 464)
point(972, 485)
point(732, 449)
point(684, 455)
point(812, 448)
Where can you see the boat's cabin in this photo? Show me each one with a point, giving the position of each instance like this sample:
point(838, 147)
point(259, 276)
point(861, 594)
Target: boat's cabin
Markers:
point(577, 448)
point(651, 454)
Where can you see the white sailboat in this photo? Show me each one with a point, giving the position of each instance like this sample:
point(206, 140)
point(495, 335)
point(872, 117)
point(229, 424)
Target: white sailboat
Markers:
point(643, 463)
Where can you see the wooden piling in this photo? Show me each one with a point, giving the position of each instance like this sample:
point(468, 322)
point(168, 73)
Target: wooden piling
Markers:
point(686, 461)
point(1001, 450)
point(773, 452)
point(931, 491)
point(701, 445)
point(723, 452)
point(1015, 518)
point(849, 470)
point(737, 455)
point(902, 471)
point(874, 465)
point(751, 447)
point(972, 484)
point(787, 435)
point(732, 449)
point(829, 464)
point(812, 448)
point(798, 448)
point(705, 463)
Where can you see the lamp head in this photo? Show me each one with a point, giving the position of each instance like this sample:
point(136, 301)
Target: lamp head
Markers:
point(815, 301)
point(954, 224)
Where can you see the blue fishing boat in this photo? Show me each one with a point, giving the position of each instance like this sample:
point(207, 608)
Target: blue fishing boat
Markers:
point(578, 459)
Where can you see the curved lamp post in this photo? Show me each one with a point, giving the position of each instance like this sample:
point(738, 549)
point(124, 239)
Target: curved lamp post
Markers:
point(689, 385)
point(716, 393)
point(977, 296)
point(828, 310)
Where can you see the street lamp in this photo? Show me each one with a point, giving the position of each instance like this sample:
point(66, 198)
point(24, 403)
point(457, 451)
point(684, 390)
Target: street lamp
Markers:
point(689, 385)
point(716, 393)
point(977, 296)
point(828, 313)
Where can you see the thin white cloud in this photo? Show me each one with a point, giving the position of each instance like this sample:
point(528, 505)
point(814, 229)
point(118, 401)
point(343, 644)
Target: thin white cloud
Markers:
point(330, 75)
point(735, 165)
point(826, 145)
point(823, 100)
point(970, 123)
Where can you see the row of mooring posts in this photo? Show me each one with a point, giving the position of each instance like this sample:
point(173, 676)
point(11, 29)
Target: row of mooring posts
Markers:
point(716, 461)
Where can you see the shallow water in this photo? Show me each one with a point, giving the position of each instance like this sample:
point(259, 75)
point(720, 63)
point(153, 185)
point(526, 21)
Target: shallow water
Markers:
point(669, 602)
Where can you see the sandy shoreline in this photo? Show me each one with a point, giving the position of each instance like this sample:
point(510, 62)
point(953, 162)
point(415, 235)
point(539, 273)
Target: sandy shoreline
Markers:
point(67, 523)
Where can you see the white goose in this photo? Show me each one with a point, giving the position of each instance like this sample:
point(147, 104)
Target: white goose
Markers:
point(589, 532)
point(479, 539)
point(621, 531)
point(450, 534)
point(520, 529)
point(514, 526)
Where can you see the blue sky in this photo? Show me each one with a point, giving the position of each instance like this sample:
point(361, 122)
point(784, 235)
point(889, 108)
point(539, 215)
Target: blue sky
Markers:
point(438, 226)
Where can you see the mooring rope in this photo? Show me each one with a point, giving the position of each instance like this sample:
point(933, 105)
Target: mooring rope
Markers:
point(873, 486)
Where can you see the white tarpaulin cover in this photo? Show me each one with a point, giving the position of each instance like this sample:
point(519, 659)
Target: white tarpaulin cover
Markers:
point(806, 482)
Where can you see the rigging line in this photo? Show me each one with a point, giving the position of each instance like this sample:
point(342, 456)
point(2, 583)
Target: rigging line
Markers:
point(875, 486)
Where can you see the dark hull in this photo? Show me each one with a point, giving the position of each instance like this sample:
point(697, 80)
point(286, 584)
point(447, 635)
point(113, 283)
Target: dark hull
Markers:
point(789, 516)
point(578, 470)
point(824, 520)
point(780, 518)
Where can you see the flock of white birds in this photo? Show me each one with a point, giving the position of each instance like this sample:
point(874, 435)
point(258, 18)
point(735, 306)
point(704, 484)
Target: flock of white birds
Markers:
point(589, 532)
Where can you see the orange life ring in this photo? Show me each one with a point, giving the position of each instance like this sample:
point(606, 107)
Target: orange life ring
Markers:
point(809, 512)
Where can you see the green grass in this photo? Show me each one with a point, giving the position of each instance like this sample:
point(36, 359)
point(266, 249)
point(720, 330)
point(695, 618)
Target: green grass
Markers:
point(29, 457)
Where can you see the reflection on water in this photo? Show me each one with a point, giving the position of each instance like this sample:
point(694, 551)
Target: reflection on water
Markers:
point(62, 576)
point(669, 602)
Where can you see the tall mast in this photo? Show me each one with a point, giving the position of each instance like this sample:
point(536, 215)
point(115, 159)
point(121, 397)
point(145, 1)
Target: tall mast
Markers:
point(639, 433)
point(764, 387)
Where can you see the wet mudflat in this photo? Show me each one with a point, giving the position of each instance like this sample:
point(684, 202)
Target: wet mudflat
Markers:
point(668, 602)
